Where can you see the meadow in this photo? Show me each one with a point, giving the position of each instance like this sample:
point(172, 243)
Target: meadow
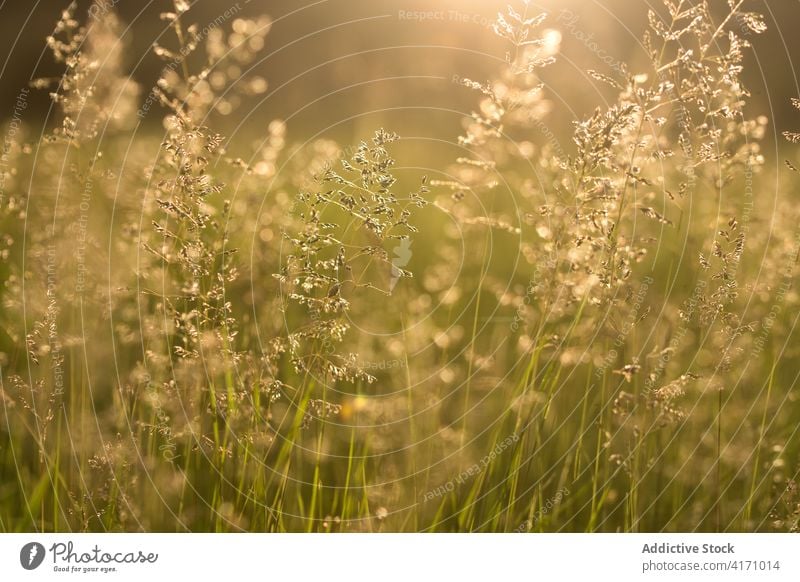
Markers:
point(588, 329)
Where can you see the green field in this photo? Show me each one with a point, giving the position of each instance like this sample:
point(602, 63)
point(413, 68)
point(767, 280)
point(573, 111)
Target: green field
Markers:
point(554, 321)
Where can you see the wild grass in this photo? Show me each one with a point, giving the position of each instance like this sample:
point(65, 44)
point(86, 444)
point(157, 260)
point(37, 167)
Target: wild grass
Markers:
point(203, 336)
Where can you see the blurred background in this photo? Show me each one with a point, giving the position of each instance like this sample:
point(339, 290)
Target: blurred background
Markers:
point(340, 68)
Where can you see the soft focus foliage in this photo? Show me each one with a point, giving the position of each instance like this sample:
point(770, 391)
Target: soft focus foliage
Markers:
point(207, 335)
